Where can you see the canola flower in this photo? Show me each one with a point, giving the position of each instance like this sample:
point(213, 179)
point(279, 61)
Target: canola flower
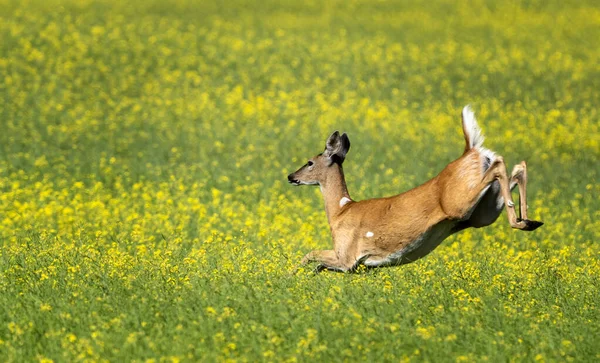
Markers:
point(144, 214)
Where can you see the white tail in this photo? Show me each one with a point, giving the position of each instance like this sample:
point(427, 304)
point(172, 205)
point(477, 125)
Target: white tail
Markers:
point(473, 135)
point(470, 192)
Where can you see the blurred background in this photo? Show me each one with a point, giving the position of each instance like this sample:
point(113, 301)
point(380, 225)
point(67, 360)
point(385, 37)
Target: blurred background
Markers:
point(144, 149)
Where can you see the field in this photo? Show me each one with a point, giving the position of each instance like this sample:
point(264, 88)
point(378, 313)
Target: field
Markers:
point(145, 213)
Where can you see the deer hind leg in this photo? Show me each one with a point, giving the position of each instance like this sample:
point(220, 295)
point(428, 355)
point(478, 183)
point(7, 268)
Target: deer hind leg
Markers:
point(491, 204)
point(497, 171)
point(519, 177)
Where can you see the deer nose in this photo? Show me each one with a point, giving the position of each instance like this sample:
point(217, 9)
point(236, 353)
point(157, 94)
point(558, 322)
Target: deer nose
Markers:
point(292, 179)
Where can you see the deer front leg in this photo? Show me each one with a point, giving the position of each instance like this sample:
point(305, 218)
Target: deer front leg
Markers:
point(497, 171)
point(327, 259)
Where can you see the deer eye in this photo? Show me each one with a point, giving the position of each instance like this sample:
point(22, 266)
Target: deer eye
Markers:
point(310, 163)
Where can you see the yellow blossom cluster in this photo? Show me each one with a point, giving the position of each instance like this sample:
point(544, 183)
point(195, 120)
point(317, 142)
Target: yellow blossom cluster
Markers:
point(144, 149)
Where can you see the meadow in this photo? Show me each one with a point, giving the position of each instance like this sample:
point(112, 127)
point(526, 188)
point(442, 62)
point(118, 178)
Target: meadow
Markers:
point(145, 213)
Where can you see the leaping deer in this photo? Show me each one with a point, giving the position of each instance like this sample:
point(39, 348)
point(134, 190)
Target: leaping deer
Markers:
point(470, 192)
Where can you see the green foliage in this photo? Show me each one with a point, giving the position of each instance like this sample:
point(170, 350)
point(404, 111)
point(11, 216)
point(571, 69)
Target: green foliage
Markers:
point(144, 149)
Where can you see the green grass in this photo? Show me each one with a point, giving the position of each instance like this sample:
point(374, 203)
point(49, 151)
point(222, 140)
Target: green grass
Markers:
point(144, 149)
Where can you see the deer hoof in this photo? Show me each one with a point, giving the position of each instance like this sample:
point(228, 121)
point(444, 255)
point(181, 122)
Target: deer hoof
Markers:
point(530, 225)
point(320, 267)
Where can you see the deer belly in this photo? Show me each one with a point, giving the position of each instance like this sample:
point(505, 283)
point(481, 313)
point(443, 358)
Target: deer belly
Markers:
point(417, 248)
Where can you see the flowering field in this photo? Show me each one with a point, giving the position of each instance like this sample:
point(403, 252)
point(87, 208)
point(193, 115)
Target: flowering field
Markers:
point(144, 149)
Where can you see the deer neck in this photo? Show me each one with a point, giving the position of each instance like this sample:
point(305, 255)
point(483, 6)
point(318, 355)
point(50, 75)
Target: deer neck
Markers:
point(335, 192)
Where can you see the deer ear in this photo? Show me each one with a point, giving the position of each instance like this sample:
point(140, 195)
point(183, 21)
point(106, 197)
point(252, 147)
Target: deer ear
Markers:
point(337, 147)
point(331, 144)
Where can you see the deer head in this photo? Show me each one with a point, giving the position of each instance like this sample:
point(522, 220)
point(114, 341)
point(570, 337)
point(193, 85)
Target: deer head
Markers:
point(315, 171)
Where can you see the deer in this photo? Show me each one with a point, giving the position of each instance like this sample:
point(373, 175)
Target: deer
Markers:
point(471, 191)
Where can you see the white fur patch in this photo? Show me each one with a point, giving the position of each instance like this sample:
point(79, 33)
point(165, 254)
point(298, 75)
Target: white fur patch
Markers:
point(487, 153)
point(369, 234)
point(344, 201)
point(500, 202)
point(471, 129)
point(510, 203)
